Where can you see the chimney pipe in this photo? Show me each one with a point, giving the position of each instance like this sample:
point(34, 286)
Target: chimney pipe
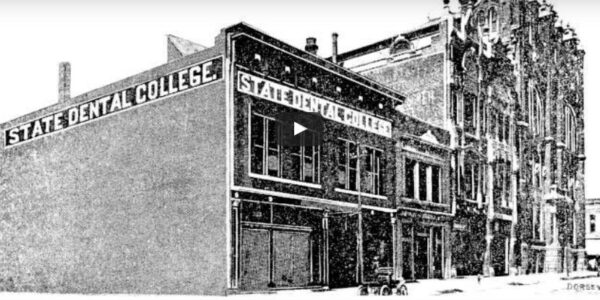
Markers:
point(64, 82)
point(334, 47)
point(311, 45)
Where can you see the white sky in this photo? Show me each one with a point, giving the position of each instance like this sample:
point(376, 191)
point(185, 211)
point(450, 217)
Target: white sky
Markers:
point(108, 40)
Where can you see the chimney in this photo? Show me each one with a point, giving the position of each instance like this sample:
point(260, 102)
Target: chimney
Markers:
point(64, 82)
point(311, 45)
point(334, 47)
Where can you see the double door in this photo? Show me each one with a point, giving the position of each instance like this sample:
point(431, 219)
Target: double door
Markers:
point(274, 258)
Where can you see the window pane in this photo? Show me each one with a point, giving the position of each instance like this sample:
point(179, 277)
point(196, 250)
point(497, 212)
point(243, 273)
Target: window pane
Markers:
point(257, 160)
point(422, 182)
point(316, 164)
point(273, 163)
point(468, 182)
point(409, 179)
point(308, 169)
point(369, 160)
point(257, 130)
point(353, 154)
point(352, 180)
point(272, 134)
point(343, 153)
point(294, 170)
point(369, 183)
point(435, 184)
point(257, 143)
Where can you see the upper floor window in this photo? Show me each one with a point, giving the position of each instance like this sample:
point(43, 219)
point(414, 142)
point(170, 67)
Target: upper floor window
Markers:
point(493, 20)
point(373, 168)
point(470, 113)
point(347, 165)
point(592, 223)
point(422, 181)
point(570, 130)
point(471, 180)
point(304, 159)
point(269, 158)
point(265, 148)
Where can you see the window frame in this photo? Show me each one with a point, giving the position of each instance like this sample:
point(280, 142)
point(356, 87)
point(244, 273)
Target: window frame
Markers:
point(429, 168)
point(266, 149)
point(376, 175)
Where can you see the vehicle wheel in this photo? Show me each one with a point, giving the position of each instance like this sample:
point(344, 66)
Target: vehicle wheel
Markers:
point(363, 290)
point(402, 290)
point(385, 291)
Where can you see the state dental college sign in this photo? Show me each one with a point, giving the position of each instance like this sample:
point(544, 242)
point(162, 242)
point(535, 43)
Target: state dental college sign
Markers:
point(171, 84)
point(284, 95)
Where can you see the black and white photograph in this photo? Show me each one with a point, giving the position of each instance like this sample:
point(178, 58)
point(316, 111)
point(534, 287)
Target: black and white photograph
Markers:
point(268, 149)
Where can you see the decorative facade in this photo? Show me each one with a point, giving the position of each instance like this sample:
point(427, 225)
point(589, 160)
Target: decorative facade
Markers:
point(505, 78)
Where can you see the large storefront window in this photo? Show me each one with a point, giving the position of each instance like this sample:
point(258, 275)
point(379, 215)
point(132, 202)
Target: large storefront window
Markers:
point(269, 157)
point(422, 181)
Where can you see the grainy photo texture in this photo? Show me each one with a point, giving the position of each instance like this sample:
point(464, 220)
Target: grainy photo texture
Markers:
point(447, 159)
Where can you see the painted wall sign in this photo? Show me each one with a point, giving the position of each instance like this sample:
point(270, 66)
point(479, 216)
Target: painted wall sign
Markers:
point(157, 89)
point(284, 95)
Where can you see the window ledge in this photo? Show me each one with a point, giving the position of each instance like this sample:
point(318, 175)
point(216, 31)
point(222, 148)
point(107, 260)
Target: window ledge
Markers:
point(361, 194)
point(425, 202)
point(283, 180)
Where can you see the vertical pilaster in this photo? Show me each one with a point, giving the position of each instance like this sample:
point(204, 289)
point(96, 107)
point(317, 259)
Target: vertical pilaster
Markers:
point(396, 245)
point(236, 230)
point(487, 259)
point(325, 263)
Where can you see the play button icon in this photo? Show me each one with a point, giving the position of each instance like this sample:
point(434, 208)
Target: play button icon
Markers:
point(300, 128)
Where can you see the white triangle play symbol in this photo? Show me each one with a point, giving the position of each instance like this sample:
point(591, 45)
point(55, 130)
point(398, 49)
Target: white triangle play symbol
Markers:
point(298, 128)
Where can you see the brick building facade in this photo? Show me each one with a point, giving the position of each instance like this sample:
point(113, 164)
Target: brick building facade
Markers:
point(178, 179)
point(505, 78)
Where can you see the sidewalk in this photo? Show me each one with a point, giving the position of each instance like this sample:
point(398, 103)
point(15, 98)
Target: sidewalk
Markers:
point(488, 287)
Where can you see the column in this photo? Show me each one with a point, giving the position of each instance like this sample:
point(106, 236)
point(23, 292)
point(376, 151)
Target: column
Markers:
point(513, 232)
point(487, 259)
point(396, 245)
point(325, 264)
point(235, 254)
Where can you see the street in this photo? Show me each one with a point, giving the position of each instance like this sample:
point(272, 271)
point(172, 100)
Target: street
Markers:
point(544, 286)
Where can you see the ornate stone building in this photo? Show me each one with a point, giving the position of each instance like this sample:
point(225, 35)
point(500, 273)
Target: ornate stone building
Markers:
point(505, 78)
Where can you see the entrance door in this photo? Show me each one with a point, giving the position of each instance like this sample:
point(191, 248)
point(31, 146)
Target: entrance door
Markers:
point(421, 257)
point(255, 259)
point(291, 258)
point(406, 259)
point(342, 251)
point(499, 257)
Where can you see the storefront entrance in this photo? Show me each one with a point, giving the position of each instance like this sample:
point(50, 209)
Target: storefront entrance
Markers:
point(422, 251)
point(279, 246)
point(289, 258)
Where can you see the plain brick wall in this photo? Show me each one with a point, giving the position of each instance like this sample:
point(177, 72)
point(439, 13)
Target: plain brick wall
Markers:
point(131, 203)
point(415, 78)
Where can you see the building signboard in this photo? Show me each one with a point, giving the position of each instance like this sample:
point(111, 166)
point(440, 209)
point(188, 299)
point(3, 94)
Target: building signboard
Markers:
point(303, 101)
point(171, 84)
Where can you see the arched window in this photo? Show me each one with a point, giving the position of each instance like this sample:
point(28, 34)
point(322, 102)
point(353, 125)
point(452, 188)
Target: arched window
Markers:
point(493, 19)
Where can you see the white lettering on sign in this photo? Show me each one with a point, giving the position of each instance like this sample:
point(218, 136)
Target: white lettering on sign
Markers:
point(165, 86)
point(284, 95)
